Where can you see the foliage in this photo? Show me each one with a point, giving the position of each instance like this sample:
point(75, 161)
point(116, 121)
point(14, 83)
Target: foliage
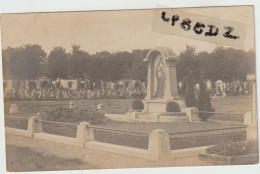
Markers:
point(80, 63)
point(229, 64)
point(138, 71)
point(122, 61)
point(57, 65)
point(224, 64)
point(86, 114)
point(234, 148)
point(203, 102)
point(187, 64)
point(100, 66)
point(172, 107)
point(189, 94)
point(24, 62)
point(137, 105)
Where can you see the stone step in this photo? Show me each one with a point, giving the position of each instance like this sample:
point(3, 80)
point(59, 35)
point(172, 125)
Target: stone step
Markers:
point(173, 114)
point(157, 118)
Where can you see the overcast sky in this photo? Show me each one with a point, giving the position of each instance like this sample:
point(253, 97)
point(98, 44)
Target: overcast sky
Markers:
point(110, 30)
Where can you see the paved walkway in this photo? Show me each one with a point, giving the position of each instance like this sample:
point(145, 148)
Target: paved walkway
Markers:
point(101, 159)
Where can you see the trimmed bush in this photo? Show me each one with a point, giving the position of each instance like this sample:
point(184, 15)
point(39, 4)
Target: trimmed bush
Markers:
point(75, 115)
point(172, 107)
point(137, 105)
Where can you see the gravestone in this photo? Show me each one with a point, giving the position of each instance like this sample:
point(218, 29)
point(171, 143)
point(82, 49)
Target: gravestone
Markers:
point(71, 105)
point(208, 85)
point(219, 87)
point(13, 109)
point(162, 81)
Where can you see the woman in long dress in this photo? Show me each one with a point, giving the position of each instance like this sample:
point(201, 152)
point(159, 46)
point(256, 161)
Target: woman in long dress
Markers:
point(160, 75)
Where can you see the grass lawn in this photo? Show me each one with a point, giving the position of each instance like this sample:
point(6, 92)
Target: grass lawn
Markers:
point(238, 104)
point(35, 161)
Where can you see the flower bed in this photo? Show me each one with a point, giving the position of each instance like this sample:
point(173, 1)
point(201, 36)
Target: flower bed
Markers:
point(75, 115)
point(232, 153)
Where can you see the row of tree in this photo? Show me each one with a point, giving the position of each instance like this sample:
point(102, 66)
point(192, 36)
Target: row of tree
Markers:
point(29, 62)
point(222, 64)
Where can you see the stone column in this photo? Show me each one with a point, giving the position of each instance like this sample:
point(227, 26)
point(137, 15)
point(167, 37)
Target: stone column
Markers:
point(34, 126)
point(149, 90)
point(167, 92)
point(173, 78)
point(84, 133)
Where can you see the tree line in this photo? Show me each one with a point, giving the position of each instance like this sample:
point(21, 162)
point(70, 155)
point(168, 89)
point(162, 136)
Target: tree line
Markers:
point(30, 62)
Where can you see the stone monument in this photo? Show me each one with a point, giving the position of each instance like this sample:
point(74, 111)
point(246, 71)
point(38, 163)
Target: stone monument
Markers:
point(162, 81)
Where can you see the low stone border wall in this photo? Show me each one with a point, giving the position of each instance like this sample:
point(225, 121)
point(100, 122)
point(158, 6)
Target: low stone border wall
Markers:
point(158, 145)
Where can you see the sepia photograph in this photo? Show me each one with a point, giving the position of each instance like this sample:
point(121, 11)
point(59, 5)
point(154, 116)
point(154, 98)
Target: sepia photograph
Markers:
point(143, 88)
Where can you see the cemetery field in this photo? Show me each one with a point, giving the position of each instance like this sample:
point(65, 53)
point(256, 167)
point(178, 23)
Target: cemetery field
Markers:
point(232, 104)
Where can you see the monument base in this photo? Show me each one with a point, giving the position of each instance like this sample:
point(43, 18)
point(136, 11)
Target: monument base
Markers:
point(159, 105)
point(155, 111)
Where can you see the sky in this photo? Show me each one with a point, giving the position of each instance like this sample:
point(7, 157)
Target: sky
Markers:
point(113, 31)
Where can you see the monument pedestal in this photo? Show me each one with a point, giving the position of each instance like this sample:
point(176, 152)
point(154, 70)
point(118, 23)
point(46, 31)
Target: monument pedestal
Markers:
point(159, 105)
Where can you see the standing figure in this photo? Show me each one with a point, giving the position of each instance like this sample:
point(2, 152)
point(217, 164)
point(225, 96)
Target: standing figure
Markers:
point(160, 75)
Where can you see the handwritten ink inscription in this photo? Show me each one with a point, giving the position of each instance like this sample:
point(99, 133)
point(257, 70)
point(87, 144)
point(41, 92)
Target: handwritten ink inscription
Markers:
point(177, 22)
point(199, 26)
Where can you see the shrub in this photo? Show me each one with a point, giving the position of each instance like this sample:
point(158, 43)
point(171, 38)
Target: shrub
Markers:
point(234, 149)
point(203, 102)
point(172, 107)
point(189, 92)
point(137, 105)
point(200, 101)
point(86, 114)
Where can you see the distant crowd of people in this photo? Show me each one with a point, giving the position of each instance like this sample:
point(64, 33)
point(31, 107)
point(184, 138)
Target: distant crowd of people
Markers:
point(69, 94)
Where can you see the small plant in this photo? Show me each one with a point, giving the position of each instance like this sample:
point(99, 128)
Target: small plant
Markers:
point(137, 105)
point(172, 107)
